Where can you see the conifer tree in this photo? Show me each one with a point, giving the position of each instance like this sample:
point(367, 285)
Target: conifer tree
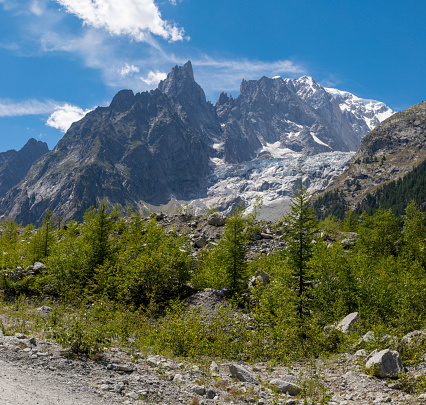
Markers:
point(300, 227)
point(414, 232)
point(96, 230)
point(40, 246)
point(234, 248)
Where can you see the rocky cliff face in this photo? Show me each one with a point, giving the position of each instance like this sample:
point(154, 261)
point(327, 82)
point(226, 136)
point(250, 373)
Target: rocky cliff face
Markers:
point(168, 143)
point(269, 111)
point(143, 147)
point(14, 165)
point(387, 153)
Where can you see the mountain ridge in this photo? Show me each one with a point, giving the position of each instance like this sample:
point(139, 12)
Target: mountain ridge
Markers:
point(387, 153)
point(154, 146)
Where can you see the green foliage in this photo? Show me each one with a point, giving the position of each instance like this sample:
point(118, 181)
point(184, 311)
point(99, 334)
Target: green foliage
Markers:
point(149, 274)
point(96, 230)
point(119, 272)
point(350, 222)
point(225, 265)
point(378, 234)
point(330, 203)
point(330, 225)
point(398, 194)
point(300, 227)
point(40, 244)
point(414, 233)
point(185, 210)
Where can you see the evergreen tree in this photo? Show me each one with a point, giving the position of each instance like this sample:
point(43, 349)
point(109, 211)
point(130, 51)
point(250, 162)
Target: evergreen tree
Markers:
point(234, 249)
point(41, 243)
point(96, 230)
point(300, 227)
point(414, 232)
point(350, 221)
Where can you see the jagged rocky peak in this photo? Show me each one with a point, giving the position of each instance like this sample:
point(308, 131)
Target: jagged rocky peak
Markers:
point(123, 100)
point(181, 86)
point(180, 82)
point(167, 143)
point(223, 99)
point(14, 165)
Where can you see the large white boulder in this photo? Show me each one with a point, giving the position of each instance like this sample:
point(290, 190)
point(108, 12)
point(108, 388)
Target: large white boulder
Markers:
point(385, 363)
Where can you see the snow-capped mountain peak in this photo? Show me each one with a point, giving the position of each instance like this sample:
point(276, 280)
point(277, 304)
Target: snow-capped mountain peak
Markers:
point(372, 112)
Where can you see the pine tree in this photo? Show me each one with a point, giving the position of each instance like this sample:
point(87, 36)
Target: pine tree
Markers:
point(41, 243)
point(300, 227)
point(234, 248)
point(414, 232)
point(96, 230)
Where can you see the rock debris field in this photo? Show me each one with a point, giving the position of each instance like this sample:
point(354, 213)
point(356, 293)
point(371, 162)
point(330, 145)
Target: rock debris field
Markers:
point(35, 372)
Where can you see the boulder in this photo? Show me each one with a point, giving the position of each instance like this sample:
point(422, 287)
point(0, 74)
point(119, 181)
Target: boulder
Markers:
point(385, 363)
point(347, 323)
point(344, 326)
point(261, 278)
point(44, 311)
point(210, 394)
point(367, 338)
point(214, 368)
point(242, 374)
point(216, 219)
point(285, 386)
point(200, 242)
point(413, 337)
point(198, 389)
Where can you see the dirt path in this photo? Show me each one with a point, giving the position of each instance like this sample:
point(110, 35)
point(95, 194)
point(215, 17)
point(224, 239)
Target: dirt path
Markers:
point(23, 385)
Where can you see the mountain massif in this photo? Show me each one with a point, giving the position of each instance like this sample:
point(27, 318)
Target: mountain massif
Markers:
point(154, 146)
point(14, 165)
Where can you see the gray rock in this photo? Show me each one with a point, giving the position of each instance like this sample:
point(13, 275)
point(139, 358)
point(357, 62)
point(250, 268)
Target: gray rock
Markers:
point(118, 388)
point(374, 352)
point(384, 364)
point(367, 338)
point(37, 267)
point(242, 374)
point(178, 378)
point(285, 386)
point(360, 353)
point(210, 394)
point(411, 337)
point(347, 323)
point(198, 389)
point(153, 361)
point(200, 242)
point(44, 311)
point(216, 219)
point(214, 368)
point(14, 341)
point(133, 395)
point(127, 368)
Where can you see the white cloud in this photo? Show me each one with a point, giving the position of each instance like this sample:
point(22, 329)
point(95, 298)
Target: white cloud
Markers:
point(136, 18)
point(128, 70)
point(61, 115)
point(36, 8)
point(9, 108)
point(64, 116)
point(153, 78)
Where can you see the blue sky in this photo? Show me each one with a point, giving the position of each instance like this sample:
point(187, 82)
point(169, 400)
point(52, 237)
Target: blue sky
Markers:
point(62, 58)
